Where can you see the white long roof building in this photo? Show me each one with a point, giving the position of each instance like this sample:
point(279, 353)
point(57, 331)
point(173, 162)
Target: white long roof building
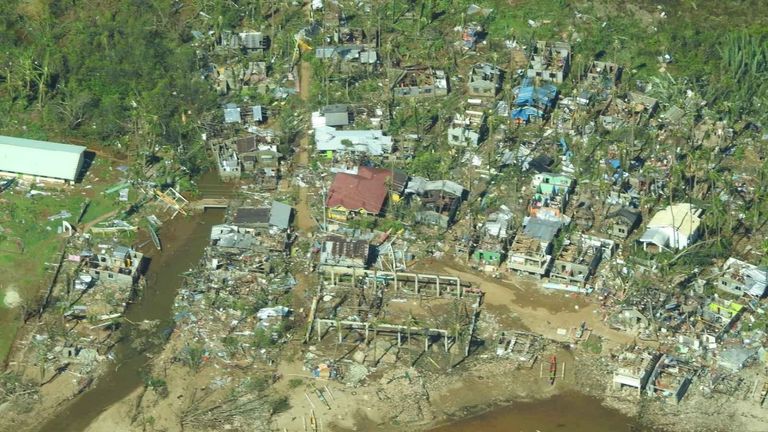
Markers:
point(40, 158)
point(372, 142)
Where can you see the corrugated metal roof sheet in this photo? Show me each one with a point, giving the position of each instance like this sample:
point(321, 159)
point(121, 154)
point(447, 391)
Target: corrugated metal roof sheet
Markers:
point(280, 216)
point(544, 230)
point(40, 158)
point(232, 113)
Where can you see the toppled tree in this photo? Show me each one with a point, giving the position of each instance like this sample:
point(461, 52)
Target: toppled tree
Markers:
point(17, 392)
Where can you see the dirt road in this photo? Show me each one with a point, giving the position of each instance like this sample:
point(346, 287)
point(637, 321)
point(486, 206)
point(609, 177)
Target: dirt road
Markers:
point(541, 312)
point(301, 159)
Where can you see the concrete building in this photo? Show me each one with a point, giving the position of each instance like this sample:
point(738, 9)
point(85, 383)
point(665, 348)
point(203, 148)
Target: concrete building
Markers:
point(551, 195)
point(634, 370)
point(41, 160)
point(531, 251)
point(622, 222)
point(484, 80)
point(741, 278)
point(551, 61)
point(466, 129)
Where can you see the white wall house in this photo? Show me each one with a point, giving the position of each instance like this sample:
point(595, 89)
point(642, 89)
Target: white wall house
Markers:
point(676, 227)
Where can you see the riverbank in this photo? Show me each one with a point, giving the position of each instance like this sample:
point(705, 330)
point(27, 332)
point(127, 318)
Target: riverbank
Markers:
point(61, 406)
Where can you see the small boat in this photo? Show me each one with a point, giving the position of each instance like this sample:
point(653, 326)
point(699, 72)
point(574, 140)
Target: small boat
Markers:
point(552, 369)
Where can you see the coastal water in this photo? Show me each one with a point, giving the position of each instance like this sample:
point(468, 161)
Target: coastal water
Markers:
point(183, 241)
point(571, 412)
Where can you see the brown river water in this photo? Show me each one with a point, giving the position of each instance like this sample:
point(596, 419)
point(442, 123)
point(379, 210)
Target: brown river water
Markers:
point(183, 240)
point(570, 412)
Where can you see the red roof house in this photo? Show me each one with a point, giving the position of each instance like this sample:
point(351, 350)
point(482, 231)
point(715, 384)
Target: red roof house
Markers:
point(364, 192)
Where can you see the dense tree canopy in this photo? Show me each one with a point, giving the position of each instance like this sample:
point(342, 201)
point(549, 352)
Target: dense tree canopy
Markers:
point(117, 73)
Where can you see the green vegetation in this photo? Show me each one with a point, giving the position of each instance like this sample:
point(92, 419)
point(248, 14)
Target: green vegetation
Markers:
point(594, 344)
point(127, 89)
point(295, 383)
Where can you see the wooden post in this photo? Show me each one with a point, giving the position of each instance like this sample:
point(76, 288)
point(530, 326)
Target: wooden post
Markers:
point(416, 282)
point(437, 284)
point(338, 330)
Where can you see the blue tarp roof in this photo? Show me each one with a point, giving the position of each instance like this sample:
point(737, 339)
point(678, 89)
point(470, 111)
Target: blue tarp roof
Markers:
point(539, 96)
point(525, 113)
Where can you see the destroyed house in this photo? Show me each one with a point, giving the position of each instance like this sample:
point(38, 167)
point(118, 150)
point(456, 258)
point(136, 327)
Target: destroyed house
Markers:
point(531, 250)
point(363, 193)
point(676, 227)
point(421, 81)
point(551, 61)
point(437, 201)
point(603, 74)
point(233, 238)
point(639, 103)
point(258, 153)
point(484, 80)
point(739, 278)
point(338, 251)
point(669, 379)
point(622, 222)
point(368, 142)
point(40, 159)
point(227, 161)
point(466, 129)
point(576, 262)
point(116, 264)
point(236, 76)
